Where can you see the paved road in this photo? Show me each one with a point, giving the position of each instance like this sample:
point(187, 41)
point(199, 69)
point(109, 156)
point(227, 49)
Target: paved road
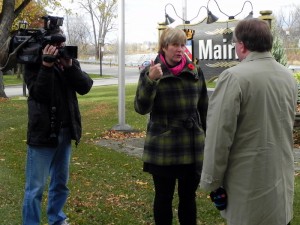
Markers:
point(109, 70)
point(131, 76)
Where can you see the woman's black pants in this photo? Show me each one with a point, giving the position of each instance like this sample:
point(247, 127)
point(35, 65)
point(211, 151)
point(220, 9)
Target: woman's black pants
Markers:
point(164, 191)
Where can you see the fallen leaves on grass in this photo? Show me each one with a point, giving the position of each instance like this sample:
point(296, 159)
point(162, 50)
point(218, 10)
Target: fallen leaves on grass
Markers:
point(115, 135)
point(298, 108)
point(121, 135)
point(3, 99)
point(116, 199)
point(141, 183)
point(296, 134)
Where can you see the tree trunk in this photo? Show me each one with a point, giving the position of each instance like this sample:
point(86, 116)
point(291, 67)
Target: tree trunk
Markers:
point(2, 92)
point(6, 20)
point(8, 13)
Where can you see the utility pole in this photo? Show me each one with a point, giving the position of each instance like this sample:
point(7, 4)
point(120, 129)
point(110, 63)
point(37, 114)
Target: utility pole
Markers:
point(184, 11)
point(121, 62)
point(100, 54)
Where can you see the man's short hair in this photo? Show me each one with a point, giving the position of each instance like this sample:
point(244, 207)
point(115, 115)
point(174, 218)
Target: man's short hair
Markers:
point(255, 34)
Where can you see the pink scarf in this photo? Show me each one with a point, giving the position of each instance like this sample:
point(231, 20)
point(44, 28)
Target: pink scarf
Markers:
point(176, 69)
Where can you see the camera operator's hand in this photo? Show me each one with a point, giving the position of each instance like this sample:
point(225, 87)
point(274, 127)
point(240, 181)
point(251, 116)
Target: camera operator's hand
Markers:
point(49, 55)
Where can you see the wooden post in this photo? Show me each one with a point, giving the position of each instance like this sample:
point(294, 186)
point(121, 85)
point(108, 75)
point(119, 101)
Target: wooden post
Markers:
point(161, 27)
point(266, 15)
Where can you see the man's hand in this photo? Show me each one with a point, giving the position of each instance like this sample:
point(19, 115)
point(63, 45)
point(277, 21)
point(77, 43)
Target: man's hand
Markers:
point(155, 71)
point(219, 197)
point(49, 55)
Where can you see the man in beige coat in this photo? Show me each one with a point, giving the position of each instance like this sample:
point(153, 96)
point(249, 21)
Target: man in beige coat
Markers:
point(249, 138)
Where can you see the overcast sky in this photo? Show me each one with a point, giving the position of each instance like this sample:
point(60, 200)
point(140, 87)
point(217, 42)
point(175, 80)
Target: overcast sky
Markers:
point(142, 16)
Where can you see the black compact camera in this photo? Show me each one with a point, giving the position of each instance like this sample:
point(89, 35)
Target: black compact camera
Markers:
point(28, 43)
point(219, 198)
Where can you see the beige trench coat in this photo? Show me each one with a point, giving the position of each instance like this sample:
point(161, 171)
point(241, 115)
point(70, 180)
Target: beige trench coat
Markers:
point(249, 141)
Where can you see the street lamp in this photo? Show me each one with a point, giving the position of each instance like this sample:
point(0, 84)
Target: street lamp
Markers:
point(100, 53)
point(210, 17)
point(228, 33)
point(233, 17)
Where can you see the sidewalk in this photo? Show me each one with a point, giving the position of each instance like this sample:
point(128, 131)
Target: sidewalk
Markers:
point(134, 147)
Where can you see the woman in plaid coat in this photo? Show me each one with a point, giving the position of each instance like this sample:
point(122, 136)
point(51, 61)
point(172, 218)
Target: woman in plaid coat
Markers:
point(173, 90)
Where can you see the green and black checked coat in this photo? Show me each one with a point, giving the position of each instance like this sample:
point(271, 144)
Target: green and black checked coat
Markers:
point(177, 107)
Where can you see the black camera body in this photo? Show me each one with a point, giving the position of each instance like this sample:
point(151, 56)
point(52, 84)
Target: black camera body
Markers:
point(29, 43)
point(68, 52)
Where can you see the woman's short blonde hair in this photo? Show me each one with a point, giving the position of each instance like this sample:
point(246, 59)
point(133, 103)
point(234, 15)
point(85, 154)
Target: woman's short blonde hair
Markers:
point(171, 36)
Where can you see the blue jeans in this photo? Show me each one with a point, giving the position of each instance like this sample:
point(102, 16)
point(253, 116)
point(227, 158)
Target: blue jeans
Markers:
point(43, 162)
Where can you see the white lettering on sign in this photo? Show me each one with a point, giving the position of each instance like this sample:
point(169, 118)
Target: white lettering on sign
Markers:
point(205, 51)
point(208, 51)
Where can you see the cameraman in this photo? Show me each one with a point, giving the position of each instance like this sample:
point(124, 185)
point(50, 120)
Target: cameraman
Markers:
point(53, 121)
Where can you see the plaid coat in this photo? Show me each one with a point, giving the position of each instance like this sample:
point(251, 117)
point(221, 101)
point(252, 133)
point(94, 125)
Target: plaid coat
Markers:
point(177, 107)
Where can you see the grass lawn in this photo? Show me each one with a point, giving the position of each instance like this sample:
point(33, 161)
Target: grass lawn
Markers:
point(106, 187)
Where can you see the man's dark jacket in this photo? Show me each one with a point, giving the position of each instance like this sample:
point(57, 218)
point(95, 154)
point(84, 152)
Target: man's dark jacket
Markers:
point(54, 87)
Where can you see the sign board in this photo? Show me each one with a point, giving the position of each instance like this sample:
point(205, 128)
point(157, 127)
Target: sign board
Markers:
point(211, 46)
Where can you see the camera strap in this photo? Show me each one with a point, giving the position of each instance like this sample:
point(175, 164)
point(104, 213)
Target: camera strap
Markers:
point(10, 63)
point(49, 58)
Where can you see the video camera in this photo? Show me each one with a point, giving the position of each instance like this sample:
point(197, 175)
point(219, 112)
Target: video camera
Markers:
point(29, 43)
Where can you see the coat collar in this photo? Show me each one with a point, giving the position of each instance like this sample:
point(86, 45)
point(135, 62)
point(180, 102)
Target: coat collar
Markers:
point(257, 55)
point(189, 68)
